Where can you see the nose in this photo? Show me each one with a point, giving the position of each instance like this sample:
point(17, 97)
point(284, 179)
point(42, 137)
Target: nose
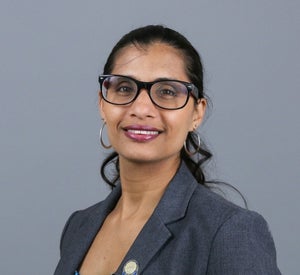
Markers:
point(143, 106)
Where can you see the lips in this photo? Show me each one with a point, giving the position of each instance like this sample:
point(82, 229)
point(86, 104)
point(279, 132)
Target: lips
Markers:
point(141, 133)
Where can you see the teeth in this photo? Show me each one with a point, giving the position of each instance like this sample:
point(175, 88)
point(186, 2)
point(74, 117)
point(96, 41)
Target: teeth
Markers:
point(143, 132)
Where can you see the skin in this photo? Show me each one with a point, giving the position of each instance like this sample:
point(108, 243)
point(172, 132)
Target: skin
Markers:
point(146, 167)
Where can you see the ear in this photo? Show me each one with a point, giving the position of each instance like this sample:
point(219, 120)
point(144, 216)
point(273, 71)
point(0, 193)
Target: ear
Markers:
point(199, 112)
point(101, 107)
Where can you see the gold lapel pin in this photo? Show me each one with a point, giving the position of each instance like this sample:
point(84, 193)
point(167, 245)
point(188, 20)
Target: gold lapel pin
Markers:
point(131, 268)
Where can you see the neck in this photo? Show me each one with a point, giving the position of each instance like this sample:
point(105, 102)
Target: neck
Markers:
point(143, 185)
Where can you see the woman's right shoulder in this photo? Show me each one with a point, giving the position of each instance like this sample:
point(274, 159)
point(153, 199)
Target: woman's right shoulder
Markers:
point(99, 209)
point(78, 218)
point(81, 213)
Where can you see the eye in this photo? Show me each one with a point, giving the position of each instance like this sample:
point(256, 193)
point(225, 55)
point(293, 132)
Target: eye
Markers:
point(165, 90)
point(124, 88)
point(167, 93)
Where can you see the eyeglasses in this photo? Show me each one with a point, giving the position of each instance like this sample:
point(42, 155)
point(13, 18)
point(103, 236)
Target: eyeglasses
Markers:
point(164, 93)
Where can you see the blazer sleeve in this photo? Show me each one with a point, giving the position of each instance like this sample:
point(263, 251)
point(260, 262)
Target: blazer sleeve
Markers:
point(243, 245)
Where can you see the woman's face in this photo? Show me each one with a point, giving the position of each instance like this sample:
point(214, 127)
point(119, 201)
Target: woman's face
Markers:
point(141, 131)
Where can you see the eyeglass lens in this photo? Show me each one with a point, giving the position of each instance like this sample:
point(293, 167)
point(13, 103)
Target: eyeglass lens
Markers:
point(168, 94)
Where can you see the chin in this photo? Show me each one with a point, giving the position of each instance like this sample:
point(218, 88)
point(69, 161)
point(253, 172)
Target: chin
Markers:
point(141, 159)
point(149, 158)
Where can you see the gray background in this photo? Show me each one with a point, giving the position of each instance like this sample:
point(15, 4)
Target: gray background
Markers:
point(51, 53)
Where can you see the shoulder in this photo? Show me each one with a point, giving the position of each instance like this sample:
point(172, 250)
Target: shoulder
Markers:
point(240, 239)
point(97, 211)
point(83, 214)
point(76, 220)
point(213, 210)
point(228, 220)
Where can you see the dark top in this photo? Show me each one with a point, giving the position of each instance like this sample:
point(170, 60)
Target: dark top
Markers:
point(192, 231)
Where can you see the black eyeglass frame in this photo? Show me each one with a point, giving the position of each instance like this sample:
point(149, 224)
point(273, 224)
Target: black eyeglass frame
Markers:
point(191, 89)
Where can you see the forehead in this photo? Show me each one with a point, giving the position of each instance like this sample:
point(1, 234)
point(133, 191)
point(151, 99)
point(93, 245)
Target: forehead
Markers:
point(150, 61)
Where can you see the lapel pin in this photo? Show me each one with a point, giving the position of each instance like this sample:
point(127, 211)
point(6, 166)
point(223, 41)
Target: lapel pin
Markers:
point(131, 268)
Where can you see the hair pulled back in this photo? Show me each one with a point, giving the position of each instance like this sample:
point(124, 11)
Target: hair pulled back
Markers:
point(143, 37)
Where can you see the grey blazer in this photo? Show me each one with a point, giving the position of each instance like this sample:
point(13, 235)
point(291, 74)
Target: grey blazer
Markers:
point(192, 231)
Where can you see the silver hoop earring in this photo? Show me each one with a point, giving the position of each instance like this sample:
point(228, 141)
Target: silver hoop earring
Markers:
point(101, 137)
point(198, 145)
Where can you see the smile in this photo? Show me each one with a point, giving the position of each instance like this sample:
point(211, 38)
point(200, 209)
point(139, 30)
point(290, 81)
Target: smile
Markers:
point(143, 132)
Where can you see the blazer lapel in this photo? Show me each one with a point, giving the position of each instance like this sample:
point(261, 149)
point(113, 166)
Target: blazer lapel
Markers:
point(150, 240)
point(155, 233)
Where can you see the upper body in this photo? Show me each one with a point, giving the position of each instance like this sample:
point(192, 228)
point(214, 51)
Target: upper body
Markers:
point(151, 100)
point(191, 231)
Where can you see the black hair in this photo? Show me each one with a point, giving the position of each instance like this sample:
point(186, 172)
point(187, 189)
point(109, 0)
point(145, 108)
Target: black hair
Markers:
point(143, 37)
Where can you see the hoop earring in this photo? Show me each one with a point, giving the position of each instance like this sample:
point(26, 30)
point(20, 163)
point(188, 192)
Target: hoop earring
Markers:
point(101, 137)
point(198, 145)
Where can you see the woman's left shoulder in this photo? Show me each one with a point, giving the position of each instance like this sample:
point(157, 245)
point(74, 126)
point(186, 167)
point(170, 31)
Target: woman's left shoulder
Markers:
point(228, 220)
point(241, 239)
point(221, 209)
point(243, 243)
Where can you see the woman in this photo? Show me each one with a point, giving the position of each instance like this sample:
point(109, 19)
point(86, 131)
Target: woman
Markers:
point(161, 217)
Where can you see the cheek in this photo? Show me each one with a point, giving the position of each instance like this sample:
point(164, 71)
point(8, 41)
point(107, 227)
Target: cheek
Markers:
point(186, 117)
point(179, 124)
point(112, 115)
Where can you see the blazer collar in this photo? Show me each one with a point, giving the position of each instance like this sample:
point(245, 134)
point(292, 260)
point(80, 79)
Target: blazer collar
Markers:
point(175, 200)
point(171, 208)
